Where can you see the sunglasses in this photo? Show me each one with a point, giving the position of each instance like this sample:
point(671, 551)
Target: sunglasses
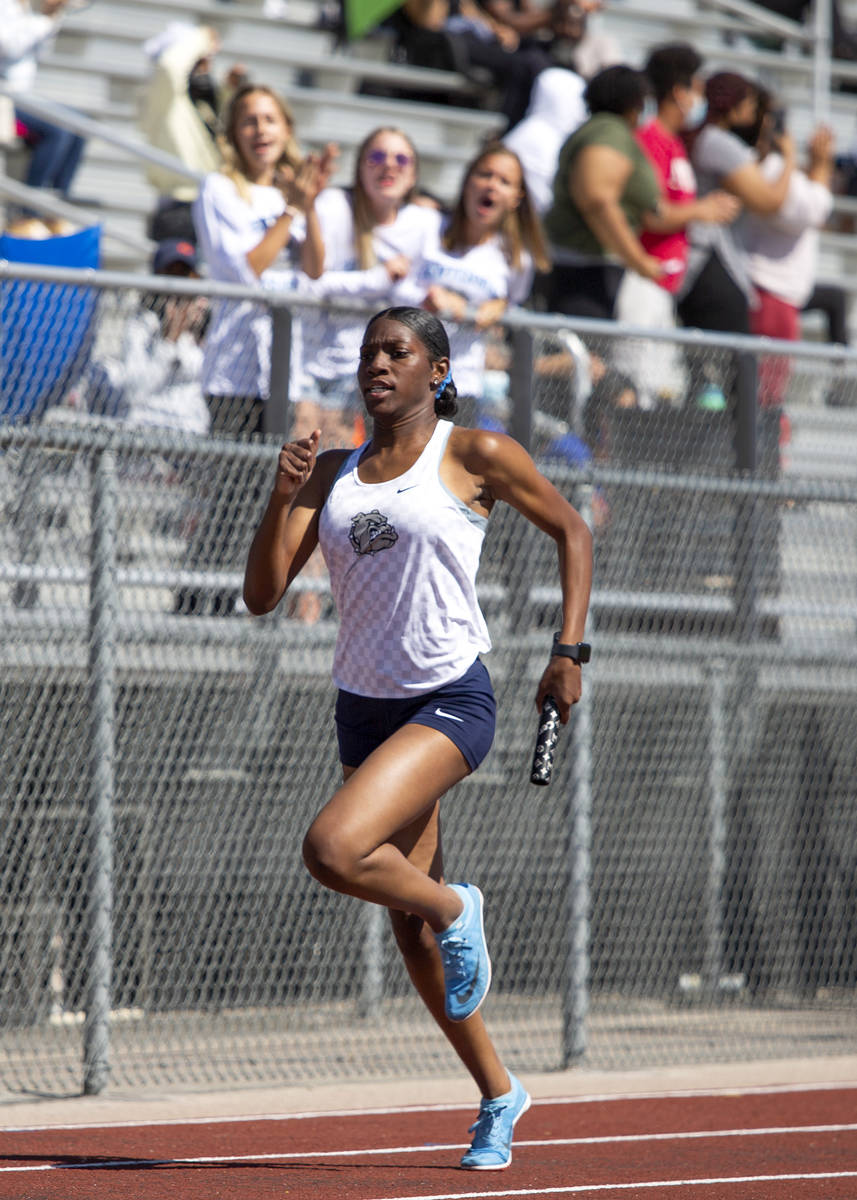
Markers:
point(378, 158)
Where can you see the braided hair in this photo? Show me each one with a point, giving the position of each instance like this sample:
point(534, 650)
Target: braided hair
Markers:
point(433, 336)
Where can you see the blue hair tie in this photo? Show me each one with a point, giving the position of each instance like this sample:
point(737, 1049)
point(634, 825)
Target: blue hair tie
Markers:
point(446, 379)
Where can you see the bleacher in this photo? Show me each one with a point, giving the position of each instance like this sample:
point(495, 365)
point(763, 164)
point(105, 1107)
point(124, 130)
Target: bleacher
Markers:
point(98, 66)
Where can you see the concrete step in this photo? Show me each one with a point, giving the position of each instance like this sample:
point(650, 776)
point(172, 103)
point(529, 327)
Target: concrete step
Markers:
point(823, 441)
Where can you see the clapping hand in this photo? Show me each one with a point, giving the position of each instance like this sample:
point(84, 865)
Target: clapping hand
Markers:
point(397, 267)
point(445, 303)
point(300, 187)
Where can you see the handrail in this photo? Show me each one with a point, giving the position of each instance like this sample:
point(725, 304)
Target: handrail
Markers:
point(42, 201)
point(763, 18)
point(77, 122)
point(519, 318)
point(818, 37)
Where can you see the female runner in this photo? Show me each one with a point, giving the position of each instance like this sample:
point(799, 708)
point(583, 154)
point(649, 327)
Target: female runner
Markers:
point(400, 521)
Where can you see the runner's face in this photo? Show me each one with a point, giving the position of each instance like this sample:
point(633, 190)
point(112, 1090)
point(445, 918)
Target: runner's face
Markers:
point(395, 374)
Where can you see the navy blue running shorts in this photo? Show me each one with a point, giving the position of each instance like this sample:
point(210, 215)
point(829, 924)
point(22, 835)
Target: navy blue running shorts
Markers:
point(465, 710)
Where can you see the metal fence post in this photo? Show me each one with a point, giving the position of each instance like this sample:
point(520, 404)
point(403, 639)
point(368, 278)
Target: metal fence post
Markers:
point(102, 645)
point(712, 965)
point(746, 433)
point(521, 387)
point(747, 567)
point(372, 983)
point(578, 824)
point(575, 997)
point(277, 418)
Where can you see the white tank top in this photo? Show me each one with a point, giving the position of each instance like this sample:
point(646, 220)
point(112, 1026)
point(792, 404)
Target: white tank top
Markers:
point(403, 557)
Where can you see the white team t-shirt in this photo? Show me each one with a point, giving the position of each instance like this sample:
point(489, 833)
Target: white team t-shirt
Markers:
point(331, 342)
point(403, 557)
point(480, 273)
point(237, 358)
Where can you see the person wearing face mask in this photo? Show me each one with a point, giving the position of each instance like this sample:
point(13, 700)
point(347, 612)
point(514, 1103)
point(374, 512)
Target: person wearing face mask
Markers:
point(673, 71)
point(717, 291)
point(180, 111)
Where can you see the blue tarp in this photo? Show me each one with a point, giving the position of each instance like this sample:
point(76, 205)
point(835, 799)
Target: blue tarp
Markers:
point(46, 329)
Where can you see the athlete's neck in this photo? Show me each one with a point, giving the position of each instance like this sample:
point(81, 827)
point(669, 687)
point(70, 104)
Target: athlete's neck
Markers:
point(402, 435)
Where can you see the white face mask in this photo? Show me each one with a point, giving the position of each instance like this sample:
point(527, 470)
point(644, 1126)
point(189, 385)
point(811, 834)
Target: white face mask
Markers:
point(648, 112)
point(696, 114)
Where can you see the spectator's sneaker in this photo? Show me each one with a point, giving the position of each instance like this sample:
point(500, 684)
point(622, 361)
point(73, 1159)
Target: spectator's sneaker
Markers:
point(466, 965)
point(491, 1148)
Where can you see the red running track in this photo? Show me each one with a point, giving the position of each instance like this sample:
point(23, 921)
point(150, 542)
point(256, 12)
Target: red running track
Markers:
point(765, 1144)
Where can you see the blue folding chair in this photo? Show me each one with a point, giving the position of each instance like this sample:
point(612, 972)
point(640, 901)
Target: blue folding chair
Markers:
point(46, 329)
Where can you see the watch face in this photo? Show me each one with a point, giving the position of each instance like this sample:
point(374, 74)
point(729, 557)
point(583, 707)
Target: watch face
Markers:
point(584, 651)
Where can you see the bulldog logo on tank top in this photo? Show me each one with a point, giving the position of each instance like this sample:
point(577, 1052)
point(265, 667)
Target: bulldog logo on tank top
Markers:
point(371, 532)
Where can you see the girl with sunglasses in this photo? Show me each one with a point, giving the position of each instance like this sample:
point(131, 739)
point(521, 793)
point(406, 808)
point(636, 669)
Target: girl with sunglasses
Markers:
point(371, 232)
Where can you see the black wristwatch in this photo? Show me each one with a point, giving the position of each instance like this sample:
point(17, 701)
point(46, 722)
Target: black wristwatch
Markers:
point(579, 652)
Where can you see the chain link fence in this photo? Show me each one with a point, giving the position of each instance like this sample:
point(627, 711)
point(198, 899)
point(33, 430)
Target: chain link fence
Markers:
point(684, 891)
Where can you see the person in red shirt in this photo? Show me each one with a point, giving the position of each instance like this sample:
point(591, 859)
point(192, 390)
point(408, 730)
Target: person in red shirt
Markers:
point(674, 74)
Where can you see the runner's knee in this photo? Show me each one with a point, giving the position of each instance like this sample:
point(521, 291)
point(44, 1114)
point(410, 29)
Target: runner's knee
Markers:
point(328, 856)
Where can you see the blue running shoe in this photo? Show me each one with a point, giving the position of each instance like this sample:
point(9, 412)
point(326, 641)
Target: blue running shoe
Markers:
point(466, 965)
point(491, 1148)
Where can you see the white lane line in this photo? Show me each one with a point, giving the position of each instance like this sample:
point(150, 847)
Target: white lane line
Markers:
point(404, 1109)
point(105, 1162)
point(591, 1188)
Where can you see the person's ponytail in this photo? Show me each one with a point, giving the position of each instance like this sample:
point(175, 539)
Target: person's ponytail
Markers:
point(446, 399)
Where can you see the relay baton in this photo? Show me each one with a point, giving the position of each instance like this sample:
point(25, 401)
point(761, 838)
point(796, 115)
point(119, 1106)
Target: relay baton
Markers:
point(545, 743)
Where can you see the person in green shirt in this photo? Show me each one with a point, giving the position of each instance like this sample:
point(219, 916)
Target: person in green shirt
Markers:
point(604, 192)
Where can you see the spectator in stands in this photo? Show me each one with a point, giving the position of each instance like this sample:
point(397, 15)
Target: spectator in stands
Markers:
point(155, 379)
point(782, 248)
point(371, 232)
point(717, 291)
point(458, 35)
point(180, 115)
point(561, 28)
point(604, 187)
point(251, 217)
point(482, 259)
point(256, 222)
point(24, 36)
point(674, 73)
point(556, 109)
point(576, 45)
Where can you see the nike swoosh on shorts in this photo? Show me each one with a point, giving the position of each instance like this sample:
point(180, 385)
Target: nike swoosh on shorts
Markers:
point(450, 716)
